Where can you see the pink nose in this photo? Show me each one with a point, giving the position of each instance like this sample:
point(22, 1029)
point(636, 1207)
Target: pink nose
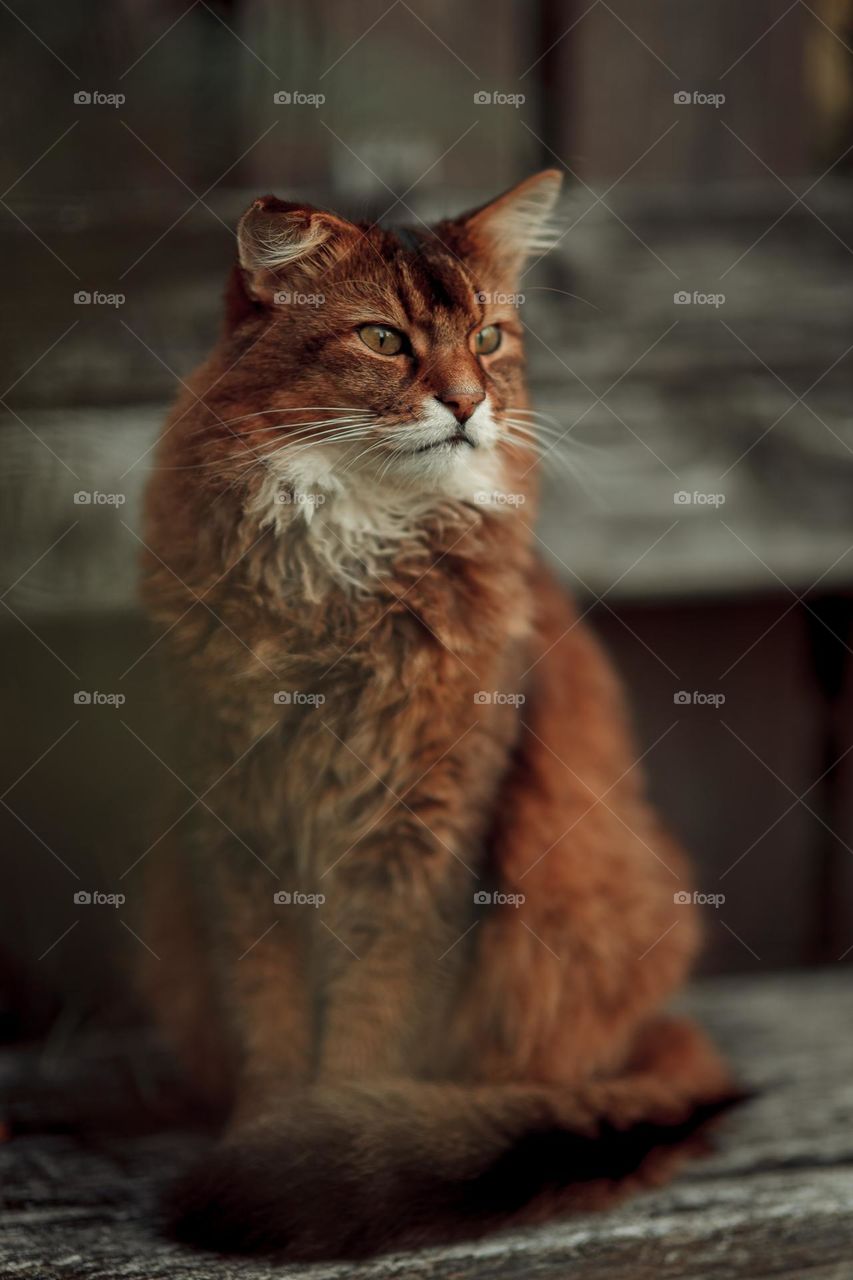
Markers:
point(462, 403)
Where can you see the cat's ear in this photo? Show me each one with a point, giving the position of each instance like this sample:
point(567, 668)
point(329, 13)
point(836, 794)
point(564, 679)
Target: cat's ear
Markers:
point(277, 239)
point(509, 230)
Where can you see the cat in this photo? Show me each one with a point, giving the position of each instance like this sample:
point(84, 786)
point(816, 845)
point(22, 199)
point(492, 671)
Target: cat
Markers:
point(415, 948)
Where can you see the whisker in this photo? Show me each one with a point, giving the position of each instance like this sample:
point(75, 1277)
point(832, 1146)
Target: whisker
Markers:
point(329, 435)
point(550, 454)
point(312, 432)
point(377, 444)
point(550, 435)
point(533, 428)
point(396, 452)
point(525, 408)
point(319, 429)
point(326, 422)
point(301, 408)
point(354, 433)
point(544, 288)
point(228, 461)
point(546, 429)
point(264, 413)
point(531, 413)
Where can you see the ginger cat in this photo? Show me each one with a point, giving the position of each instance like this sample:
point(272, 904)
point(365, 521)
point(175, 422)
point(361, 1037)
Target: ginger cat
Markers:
point(416, 947)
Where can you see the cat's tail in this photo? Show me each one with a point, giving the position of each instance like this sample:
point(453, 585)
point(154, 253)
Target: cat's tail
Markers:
point(336, 1172)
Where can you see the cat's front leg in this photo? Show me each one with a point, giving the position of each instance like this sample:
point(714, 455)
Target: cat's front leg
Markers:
point(274, 1009)
point(390, 957)
point(228, 974)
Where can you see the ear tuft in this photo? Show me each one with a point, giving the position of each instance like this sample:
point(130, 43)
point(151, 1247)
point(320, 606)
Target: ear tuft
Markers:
point(272, 234)
point(516, 225)
point(275, 235)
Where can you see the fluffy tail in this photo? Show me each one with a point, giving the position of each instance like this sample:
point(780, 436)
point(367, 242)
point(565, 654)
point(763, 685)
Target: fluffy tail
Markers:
point(351, 1171)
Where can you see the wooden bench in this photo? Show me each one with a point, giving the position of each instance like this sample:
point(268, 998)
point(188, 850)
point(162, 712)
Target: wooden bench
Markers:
point(84, 1164)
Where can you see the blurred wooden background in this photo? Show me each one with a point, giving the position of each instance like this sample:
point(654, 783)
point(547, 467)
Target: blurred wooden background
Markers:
point(749, 198)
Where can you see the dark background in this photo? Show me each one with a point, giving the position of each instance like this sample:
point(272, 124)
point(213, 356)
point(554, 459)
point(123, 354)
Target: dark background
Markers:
point(750, 198)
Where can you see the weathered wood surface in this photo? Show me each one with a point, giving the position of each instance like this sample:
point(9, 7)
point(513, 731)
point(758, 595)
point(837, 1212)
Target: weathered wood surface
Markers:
point(696, 399)
point(83, 1171)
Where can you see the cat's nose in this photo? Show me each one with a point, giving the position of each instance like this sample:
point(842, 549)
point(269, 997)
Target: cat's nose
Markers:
point(462, 403)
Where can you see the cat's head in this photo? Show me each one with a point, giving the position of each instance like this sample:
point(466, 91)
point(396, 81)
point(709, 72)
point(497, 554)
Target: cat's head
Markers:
point(383, 355)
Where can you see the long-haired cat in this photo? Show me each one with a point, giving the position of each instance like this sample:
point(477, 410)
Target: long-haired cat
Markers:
point(416, 945)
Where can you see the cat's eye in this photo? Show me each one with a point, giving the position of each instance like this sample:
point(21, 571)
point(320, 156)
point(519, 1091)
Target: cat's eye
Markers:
point(487, 340)
point(381, 339)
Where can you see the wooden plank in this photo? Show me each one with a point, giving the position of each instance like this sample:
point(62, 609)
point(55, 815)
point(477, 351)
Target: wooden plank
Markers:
point(693, 410)
point(775, 1200)
point(381, 128)
point(623, 63)
point(721, 771)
